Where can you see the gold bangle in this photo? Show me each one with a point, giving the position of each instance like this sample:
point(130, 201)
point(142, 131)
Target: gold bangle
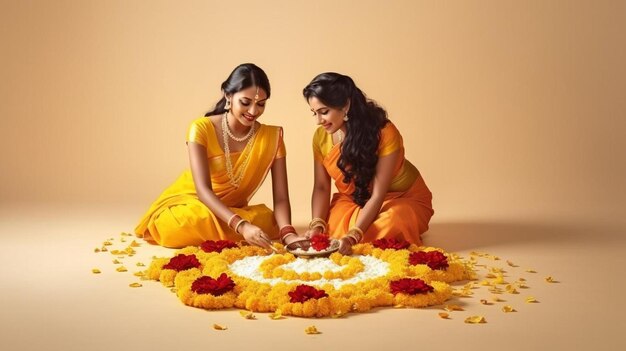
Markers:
point(241, 221)
point(356, 229)
point(318, 222)
point(230, 220)
point(353, 238)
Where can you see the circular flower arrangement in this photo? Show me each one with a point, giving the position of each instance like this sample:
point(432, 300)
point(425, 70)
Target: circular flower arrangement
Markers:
point(223, 274)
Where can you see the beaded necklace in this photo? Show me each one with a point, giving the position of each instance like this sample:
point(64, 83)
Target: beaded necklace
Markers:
point(235, 179)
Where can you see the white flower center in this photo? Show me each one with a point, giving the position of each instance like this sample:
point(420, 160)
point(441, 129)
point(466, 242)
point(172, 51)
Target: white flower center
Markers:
point(248, 267)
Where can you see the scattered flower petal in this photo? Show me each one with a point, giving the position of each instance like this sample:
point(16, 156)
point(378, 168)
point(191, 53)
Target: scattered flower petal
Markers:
point(475, 320)
point(531, 299)
point(451, 308)
point(96, 271)
point(121, 269)
point(135, 285)
point(549, 279)
point(507, 309)
point(444, 315)
point(311, 330)
point(247, 314)
point(276, 315)
point(219, 327)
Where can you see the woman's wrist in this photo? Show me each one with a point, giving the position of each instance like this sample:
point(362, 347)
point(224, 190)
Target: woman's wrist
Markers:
point(286, 231)
point(318, 223)
point(240, 225)
point(355, 234)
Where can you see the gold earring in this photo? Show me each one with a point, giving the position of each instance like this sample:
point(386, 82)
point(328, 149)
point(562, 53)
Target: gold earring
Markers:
point(345, 118)
point(227, 106)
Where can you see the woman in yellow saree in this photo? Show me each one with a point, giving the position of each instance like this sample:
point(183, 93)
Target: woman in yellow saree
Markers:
point(230, 155)
point(380, 193)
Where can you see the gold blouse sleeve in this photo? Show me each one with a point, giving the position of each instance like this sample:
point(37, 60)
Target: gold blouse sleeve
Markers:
point(198, 132)
point(390, 140)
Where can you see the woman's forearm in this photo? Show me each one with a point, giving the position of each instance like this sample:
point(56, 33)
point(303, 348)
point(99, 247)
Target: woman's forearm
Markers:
point(368, 213)
point(320, 203)
point(282, 212)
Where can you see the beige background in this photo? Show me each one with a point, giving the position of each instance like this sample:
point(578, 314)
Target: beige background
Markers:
point(514, 112)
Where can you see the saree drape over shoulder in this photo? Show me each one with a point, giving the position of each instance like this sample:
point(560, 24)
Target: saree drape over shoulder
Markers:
point(407, 207)
point(178, 218)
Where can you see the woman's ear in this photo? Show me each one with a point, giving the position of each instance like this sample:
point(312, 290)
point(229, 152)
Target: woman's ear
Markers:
point(346, 108)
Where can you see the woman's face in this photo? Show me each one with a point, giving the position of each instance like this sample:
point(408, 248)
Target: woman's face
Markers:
point(248, 104)
point(328, 117)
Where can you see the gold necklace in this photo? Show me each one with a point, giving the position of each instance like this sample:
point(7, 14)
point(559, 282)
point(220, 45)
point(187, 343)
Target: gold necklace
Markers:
point(230, 133)
point(235, 179)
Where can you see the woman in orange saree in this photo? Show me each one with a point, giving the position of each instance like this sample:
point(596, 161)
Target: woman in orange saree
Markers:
point(380, 193)
point(230, 155)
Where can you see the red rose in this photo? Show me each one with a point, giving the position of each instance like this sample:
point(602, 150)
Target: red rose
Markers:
point(182, 262)
point(305, 292)
point(320, 242)
point(434, 259)
point(396, 244)
point(409, 286)
point(217, 246)
point(215, 287)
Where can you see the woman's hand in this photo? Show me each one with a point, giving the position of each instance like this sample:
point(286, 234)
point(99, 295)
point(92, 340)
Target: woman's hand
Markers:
point(254, 235)
point(294, 238)
point(309, 233)
point(345, 246)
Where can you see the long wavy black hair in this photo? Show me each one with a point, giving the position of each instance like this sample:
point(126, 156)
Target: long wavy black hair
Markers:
point(242, 77)
point(359, 151)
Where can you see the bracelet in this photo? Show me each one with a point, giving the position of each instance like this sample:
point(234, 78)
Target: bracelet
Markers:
point(285, 231)
point(236, 217)
point(318, 222)
point(351, 239)
point(241, 221)
point(282, 238)
point(356, 233)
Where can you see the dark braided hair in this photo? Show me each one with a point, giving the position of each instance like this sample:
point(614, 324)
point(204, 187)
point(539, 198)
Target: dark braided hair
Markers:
point(359, 151)
point(242, 77)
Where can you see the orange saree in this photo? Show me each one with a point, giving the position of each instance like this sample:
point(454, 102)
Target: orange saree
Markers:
point(178, 218)
point(407, 207)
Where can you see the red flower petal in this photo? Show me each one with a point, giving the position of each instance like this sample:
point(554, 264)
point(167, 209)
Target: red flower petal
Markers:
point(434, 259)
point(182, 262)
point(303, 293)
point(409, 286)
point(215, 287)
point(320, 242)
point(396, 244)
point(217, 246)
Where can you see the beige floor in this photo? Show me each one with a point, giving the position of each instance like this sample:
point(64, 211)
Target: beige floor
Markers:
point(52, 301)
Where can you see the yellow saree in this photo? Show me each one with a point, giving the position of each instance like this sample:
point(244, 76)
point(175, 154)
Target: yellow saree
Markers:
point(407, 207)
point(178, 218)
